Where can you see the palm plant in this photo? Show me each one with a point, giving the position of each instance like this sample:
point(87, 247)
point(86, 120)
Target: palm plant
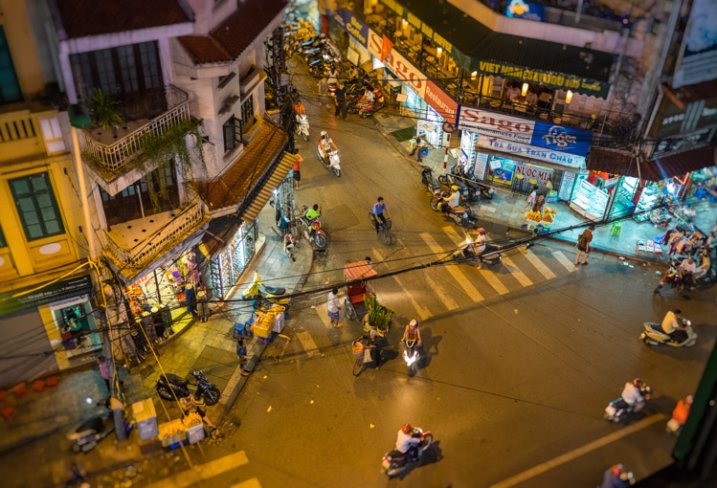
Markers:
point(104, 111)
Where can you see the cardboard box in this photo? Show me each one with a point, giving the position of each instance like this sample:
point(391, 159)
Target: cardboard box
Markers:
point(145, 417)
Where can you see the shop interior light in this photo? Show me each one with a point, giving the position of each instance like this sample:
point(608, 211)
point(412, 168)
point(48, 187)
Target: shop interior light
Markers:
point(439, 51)
point(474, 75)
point(569, 96)
point(404, 23)
point(524, 90)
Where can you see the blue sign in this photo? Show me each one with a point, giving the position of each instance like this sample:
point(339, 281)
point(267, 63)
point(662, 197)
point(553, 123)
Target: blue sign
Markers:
point(518, 9)
point(355, 26)
point(561, 139)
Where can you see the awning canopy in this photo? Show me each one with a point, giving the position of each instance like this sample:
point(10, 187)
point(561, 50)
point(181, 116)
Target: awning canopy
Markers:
point(255, 203)
point(624, 163)
point(226, 194)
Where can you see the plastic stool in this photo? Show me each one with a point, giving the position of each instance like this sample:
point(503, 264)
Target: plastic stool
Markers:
point(518, 183)
point(38, 385)
point(533, 182)
point(20, 389)
point(8, 412)
point(615, 229)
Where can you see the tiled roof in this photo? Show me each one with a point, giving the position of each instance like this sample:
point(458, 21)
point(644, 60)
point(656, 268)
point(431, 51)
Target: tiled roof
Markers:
point(230, 38)
point(81, 18)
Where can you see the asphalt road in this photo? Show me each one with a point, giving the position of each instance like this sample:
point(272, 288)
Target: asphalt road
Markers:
point(522, 358)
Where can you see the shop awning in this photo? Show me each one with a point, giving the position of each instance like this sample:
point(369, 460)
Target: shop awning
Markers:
point(234, 188)
point(278, 173)
point(624, 163)
point(527, 160)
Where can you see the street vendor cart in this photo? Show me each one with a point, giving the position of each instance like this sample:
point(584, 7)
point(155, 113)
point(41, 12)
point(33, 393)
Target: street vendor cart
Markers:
point(357, 272)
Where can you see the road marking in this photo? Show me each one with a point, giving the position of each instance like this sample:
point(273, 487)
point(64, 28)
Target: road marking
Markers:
point(423, 312)
point(447, 300)
point(580, 451)
point(457, 274)
point(537, 263)
point(252, 483)
point(516, 272)
point(307, 342)
point(493, 281)
point(455, 236)
point(567, 264)
point(203, 472)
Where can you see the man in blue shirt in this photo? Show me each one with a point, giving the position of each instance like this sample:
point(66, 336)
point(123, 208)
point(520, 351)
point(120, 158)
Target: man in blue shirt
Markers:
point(379, 213)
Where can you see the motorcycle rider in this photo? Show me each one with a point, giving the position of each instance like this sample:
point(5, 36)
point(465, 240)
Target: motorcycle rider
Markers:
point(617, 476)
point(379, 212)
point(412, 334)
point(635, 393)
point(687, 271)
point(672, 325)
point(408, 442)
point(704, 266)
point(311, 215)
point(326, 144)
point(453, 200)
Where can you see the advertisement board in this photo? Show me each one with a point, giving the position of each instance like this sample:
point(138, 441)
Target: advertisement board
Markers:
point(532, 152)
point(562, 139)
point(354, 26)
point(441, 102)
point(493, 124)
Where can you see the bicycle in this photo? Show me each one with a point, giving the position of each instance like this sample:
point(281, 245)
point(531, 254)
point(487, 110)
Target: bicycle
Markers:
point(384, 229)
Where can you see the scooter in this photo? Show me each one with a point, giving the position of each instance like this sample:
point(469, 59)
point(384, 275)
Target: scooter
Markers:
point(462, 216)
point(314, 233)
point(302, 127)
point(396, 462)
point(490, 255)
point(653, 335)
point(671, 276)
point(170, 386)
point(411, 356)
point(89, 433)
point(331, 161)
point(427, 180)
point(619, 410)
point(263, 296)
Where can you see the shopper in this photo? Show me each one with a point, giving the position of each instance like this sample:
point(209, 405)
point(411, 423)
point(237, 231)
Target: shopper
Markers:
point(584, 244)
point(203, 303)
point(532, 198)
point(297, 171)
point(333, 307)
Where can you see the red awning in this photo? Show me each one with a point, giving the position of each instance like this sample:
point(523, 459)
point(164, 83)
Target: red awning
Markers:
point(623, 163)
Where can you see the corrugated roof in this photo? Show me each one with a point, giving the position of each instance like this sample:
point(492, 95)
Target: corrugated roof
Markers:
point(82, 18)
point(204, 49)
point(477, 41)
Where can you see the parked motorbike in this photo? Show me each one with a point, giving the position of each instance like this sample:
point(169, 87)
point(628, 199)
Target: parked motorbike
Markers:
point(89, 433)
point(411, 356)
point(660, 216)
point(302, 126)
point(170, 386)
point(428, 181)
point(331, 161)
point(263, 296)
point(396, 462)
point(653, 335)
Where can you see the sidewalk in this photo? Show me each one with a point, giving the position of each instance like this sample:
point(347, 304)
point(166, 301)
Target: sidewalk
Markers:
point(45, 418)
point(508, 209)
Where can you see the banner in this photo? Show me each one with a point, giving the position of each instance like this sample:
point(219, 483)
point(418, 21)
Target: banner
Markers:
point(536, 153)
point(496, 125)
point(441, 102)
point(354, 26)
point(562, 139)
point(51, 293)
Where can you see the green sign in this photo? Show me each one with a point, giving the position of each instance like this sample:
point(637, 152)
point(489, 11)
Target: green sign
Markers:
point(51, 293)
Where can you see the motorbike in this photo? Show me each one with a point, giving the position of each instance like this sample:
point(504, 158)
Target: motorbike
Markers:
point(411, 356)
point(619, 410)
point(263, 296)
point(489, 256)
point(313, 232)
point(660, 216)
point(653, 335)
point(427, 180)
point(671, 276)
point(396, 462)
point(171, 385)
point(331, 161)
point(302, 127)
point(89, 433)
point(485, 192)
point(462, 216)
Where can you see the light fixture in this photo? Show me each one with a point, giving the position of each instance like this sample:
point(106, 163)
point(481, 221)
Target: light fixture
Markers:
point(474, 75)
point(404, 23)
point(439, 51)
point(524, 90)
point(569, 96)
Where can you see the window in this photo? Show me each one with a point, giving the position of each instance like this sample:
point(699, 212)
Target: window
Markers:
point(127, 66)
point(106, 72)
point(247, 113)
point(37, 206)
point(9, 88)
point(232, 134)
point(150, 65)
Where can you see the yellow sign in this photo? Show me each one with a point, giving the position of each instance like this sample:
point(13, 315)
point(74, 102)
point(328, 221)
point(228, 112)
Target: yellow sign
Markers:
point(393, 5)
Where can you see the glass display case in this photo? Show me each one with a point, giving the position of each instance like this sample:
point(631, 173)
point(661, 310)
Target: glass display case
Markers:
point(624, 199)
point(648, 199)
point(589, 200)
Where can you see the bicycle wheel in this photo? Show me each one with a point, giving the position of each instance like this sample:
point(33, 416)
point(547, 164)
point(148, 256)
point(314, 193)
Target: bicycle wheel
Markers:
point(358, 366)
point(386, 237)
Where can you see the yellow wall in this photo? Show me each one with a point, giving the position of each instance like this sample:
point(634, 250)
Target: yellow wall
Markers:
point(23, 49)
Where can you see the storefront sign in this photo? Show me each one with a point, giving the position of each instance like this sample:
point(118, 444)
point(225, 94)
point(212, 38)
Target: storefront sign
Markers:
point(496, 125)
point(51, 293)
point(399, 65)
point(441, 102)
point(532, 152)
point(562, 139)
point(560, 81)
point(355, 26)
point(541, 175)
point(699, 59)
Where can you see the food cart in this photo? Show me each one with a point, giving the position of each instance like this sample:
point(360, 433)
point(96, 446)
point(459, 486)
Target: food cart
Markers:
point(357, 290)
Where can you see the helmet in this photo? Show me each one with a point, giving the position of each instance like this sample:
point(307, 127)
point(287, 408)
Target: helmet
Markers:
point(412, 323)
point(617, 469)
point(406, 429)
point(372, 333)
point(689, 399)
point(324, 133)
point(637, 382)
point(480, 230)
point(454, 188)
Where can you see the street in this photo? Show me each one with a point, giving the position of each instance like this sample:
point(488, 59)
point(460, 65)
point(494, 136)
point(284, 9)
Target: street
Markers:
point(522, 358)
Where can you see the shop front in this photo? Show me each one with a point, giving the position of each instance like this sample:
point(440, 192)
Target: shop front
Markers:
point(226, 266)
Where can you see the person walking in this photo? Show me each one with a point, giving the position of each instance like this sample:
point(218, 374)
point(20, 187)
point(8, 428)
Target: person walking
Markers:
point(203, 302)
point(340, 94)
point(297, 171)
point(532, 198)
point(241, 349)
point(333, 307)
point(584, 244)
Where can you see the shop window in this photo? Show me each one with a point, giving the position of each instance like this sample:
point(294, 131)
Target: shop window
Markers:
point(9, 87)
point(37, 207)
point(232, 134)
point(247, 113)
point(76, 325)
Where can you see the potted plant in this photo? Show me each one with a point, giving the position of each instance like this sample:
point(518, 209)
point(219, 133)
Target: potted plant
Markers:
point(377, 316)
point(104, 111)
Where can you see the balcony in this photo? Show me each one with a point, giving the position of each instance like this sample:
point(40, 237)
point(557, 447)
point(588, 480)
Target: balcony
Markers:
point(112, 155)
point(29, 129)
point(134, 245)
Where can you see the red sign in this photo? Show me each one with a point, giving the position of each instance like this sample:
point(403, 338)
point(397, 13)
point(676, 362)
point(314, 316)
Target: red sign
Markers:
point(497, 125)
point(441, 102)
point(375, 44)
point(386, 48)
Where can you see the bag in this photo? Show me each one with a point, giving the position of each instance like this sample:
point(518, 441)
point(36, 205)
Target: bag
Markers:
point(582, 241)
point(357, 349)
point(367, 355)
point(423, 152)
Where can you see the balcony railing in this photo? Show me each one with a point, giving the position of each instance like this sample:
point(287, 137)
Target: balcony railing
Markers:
point(147, 251)
point(112, 160)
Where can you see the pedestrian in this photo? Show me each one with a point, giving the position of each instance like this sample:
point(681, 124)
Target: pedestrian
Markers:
point(413, 145)
point(532, 198)
point(297, 171)
point(333, 307)
point(203, 302)
point(241, 349)
point(340, 95)
point(584, 244)
point(103, 365)
point(422, 151)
